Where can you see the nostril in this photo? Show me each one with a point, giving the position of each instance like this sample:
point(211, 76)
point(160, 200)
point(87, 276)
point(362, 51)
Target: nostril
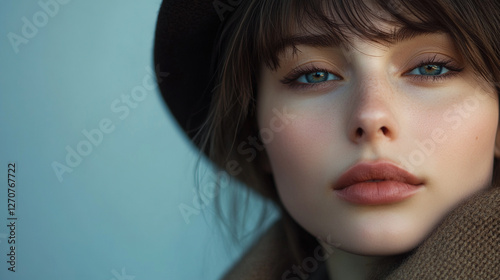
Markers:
point(359, 132)
point(385, 131)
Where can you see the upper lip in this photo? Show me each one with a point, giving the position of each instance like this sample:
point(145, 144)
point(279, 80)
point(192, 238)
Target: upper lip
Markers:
point(366, 171)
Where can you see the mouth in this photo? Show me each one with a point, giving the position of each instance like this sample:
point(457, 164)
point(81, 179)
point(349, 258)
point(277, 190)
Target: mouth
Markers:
point(373, 183)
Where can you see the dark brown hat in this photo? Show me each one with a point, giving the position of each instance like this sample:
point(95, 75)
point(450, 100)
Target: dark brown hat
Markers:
point(185, 41)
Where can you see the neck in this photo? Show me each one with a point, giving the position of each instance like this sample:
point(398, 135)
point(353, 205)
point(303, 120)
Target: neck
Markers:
point(343, 265)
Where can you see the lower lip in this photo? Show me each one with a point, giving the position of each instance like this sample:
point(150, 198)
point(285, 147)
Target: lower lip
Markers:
point(376, 193)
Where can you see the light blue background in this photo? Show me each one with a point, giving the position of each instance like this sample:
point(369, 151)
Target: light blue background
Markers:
point(117, 213)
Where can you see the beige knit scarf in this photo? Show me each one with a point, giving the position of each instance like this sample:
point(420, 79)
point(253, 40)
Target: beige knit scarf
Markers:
point(466, 245)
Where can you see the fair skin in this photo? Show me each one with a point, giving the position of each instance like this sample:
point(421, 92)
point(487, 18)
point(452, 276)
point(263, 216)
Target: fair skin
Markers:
point(374, 103)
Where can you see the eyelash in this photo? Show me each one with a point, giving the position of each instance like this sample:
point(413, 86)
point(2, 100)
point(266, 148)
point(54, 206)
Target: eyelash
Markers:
point(448, 64)
point(291, 79)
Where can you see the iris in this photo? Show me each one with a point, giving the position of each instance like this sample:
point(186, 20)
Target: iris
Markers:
point(429, 70)
point(317, 77)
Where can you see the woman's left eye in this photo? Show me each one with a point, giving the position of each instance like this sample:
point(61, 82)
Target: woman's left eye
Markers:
point(430, 70)
point(316, 77)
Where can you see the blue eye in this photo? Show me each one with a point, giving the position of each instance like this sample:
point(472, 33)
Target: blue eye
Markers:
point(429, 70)
point(317, 77)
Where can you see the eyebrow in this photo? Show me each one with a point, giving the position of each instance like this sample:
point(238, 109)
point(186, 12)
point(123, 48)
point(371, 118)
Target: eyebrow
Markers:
point(324, 40)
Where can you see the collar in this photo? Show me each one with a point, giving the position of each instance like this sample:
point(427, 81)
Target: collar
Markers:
point(465, 245)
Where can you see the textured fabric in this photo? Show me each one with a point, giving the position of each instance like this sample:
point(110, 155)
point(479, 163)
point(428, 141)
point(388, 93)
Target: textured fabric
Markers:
point(466, 245)
point(262, 258)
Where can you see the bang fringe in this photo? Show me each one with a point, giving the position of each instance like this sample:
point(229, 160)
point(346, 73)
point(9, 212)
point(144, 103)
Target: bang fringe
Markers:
point(340, 21)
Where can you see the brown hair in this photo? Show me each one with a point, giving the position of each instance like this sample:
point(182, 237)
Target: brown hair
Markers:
point(258, 31)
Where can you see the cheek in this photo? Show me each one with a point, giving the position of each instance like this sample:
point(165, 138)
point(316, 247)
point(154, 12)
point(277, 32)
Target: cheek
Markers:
point(305, 158)
point(303, 150)
point(455, 148)
point(468, 151)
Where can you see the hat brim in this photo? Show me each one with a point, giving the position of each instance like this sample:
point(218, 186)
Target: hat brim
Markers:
point(185, 37)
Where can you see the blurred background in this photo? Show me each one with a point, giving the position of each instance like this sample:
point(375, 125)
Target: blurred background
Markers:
point(104, 178)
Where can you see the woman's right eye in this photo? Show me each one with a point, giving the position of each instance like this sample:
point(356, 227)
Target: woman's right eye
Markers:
point(317, 77)
point(310, 78)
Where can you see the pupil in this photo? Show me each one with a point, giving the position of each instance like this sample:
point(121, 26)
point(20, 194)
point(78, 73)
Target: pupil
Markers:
point(431, 69)
point(317, 77)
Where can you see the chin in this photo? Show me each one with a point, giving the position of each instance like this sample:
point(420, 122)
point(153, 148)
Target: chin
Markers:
point(371, 242)
point(378, 249)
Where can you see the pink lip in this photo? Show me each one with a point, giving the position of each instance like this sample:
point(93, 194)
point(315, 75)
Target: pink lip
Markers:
point(356, 185)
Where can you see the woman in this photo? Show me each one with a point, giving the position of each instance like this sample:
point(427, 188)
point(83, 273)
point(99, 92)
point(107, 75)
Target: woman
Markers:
point(373, 125)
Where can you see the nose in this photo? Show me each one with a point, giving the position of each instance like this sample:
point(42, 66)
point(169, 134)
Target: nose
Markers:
point(372, 115)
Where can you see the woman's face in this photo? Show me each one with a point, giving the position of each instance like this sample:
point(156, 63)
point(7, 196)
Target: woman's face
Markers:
point(376, 111)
